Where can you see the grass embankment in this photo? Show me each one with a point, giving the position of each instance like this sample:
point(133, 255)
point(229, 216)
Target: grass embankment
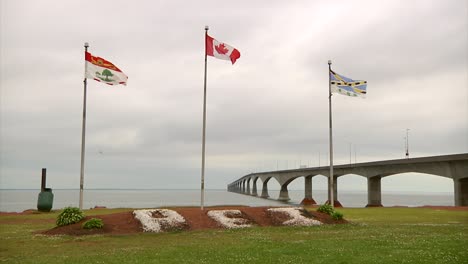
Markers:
point(376, 235)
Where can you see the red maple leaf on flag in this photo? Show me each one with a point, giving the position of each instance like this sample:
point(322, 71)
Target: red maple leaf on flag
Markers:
point(221, 49)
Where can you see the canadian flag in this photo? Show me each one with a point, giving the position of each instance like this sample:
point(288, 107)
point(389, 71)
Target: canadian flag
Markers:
point(221, 50)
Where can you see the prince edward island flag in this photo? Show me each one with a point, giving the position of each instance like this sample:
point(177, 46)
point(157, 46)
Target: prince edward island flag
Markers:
point(346, 86)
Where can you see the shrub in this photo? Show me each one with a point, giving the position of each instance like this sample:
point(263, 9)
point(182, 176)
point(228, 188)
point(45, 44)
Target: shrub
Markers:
point(325, 208)
point(93, 223)
point(337, 215)
point(69, 215)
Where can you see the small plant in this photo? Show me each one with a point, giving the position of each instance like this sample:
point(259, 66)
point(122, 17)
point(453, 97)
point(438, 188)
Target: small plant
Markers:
point(328, 209)
point(337, 215)
point(325, 208)
point(93, 223)
point(69, 215)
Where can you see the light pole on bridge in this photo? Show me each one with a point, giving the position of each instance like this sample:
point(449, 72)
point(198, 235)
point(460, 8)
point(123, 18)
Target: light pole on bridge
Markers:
point(407, 144)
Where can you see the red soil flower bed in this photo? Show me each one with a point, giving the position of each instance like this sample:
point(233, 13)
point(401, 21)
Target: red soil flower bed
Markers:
point(125, 223)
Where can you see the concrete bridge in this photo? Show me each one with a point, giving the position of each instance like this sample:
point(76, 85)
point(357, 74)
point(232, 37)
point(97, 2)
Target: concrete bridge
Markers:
point(450, 166)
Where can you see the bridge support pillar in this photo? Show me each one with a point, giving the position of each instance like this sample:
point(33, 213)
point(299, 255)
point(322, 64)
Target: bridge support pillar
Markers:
point(308, 200)
point(374, 192)
point(265, 190)
point(336, 203)
point(461, 191)
point(284, 194)
point(248, 187)
point(254, 187)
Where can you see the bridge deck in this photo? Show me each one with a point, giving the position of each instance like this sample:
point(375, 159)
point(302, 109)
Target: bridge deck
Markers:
point(450, 166)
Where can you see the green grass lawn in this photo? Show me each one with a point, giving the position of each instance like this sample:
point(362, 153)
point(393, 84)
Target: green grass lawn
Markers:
point(375, 235)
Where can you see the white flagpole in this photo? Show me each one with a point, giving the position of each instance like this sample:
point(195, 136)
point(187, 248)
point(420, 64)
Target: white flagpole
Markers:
point(202, 198)
point(330, 187)
point(86, 45)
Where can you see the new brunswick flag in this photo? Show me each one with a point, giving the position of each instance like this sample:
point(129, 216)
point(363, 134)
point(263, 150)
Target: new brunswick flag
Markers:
point(104, 71)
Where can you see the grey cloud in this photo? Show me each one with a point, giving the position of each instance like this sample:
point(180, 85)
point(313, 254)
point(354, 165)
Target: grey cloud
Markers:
point(269, 109)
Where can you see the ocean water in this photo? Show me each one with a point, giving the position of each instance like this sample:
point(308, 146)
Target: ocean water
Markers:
point(20, 200)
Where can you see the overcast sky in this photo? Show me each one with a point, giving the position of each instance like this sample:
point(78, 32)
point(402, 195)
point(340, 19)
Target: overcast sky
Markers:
point(268, 111)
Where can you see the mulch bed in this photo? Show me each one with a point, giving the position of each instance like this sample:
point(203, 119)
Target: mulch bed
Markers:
point(125, 223)
point(118, 223)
